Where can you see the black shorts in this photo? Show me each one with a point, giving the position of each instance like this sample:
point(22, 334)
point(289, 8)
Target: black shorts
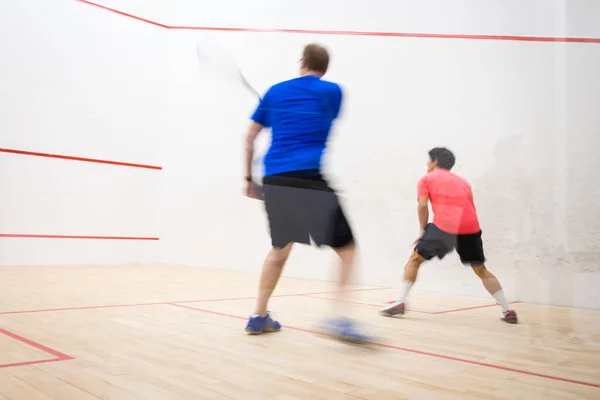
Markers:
point(300, 205)
point(437, 243)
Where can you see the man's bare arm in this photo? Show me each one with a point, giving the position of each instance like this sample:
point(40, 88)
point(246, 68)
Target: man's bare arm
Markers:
point(423, 211)
point(253, 132)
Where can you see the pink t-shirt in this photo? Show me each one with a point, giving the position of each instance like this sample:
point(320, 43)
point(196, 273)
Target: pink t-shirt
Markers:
point(451, 200)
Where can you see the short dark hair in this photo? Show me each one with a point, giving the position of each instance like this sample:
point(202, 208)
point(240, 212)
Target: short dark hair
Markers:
point(444, 157)
point(316, 58)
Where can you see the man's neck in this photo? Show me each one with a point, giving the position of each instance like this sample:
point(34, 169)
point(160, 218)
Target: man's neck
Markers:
point(309, 73)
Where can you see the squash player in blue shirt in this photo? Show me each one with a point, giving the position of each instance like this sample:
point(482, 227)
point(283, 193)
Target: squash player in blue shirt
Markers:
point(299, 202)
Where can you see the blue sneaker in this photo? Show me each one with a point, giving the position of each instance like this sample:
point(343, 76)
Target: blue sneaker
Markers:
point(347, 331)
point(257, 325)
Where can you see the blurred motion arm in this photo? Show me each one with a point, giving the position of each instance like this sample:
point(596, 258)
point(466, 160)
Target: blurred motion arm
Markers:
point(253, 131)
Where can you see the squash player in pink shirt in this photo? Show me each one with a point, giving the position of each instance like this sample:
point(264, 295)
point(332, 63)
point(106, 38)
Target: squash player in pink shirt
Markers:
point(455, 226)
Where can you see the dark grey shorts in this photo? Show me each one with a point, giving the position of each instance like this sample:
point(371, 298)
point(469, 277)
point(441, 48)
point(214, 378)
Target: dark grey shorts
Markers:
point(437, 243)
point(301, 205)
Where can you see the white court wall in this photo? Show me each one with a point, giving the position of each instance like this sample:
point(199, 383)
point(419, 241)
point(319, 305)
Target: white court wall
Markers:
point(521, 117)
point(77, 83)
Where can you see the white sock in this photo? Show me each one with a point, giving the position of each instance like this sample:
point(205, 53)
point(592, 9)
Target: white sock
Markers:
point(404, 289)
point(501, 299)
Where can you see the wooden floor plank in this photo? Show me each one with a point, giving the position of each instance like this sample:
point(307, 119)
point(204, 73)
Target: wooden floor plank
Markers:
point(143, 346)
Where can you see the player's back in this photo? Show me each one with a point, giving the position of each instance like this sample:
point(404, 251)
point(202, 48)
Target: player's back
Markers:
point(452, 202)
point(300, 113)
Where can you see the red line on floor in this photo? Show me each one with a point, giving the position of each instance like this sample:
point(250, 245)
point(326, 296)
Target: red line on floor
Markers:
point(487, 365)
point(210, 312)
point(24, 363)
point(59, 356)
point(471, 308)
point(73, 158)
point(170, 302)
point(408, 309)
point(277, 295)
point(424, 353)
point(36, 236)
point(79, 308)
point(363, 304)
point(334, 292)
point(309, 295)
point(354, 33)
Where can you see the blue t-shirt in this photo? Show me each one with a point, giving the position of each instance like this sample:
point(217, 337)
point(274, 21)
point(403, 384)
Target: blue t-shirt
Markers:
point(300, 113)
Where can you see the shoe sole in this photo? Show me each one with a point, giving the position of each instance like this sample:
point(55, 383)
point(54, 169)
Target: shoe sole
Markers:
point(510, 319)
point(345, 339)
point(392, 312)
point(327, 334)
point(251, 332)
point(350, 339)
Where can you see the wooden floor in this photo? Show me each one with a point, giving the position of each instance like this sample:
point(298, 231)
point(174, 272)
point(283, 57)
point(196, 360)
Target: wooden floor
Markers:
point(177, 333)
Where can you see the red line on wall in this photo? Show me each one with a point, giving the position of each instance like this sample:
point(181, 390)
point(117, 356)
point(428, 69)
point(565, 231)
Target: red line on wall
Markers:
point(125, 14)
point(34, 236)
point(72, 158)
point(354, 33)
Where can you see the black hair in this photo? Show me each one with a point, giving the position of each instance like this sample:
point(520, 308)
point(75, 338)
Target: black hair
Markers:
point(444, 157)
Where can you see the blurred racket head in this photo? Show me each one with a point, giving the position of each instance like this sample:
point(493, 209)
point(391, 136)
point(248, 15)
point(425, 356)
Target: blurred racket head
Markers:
point(213, 56)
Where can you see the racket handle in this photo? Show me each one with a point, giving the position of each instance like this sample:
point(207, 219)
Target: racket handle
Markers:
point(260, 192)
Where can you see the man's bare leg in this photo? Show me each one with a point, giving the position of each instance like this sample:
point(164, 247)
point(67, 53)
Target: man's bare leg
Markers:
point(271, 272)
point(343, 327)
point(260, 321)
point(411, 270)
point(492, 285)
point(347, 255)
